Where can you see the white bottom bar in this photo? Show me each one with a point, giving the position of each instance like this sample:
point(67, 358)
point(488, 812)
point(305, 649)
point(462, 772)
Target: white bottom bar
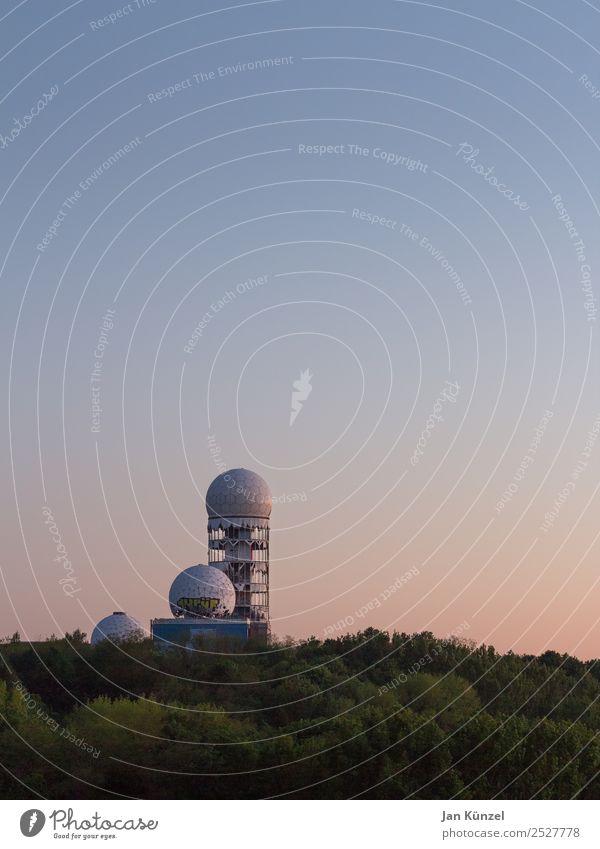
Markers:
point(312, 824)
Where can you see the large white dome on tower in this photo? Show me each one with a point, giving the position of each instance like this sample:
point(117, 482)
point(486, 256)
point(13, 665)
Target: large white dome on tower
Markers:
point(238, 493)
point(118, 626)
point(202, 591)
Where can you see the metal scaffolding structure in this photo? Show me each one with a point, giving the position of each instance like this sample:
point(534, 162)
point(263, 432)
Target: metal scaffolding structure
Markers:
point(238, 503)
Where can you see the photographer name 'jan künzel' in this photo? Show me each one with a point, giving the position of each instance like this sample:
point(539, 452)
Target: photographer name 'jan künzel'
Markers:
point(472, 815)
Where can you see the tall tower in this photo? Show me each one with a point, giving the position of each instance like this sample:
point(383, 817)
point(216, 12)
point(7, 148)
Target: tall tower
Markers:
point(238, 503)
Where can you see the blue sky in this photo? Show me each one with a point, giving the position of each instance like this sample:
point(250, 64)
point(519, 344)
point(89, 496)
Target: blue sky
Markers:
point(181, 156)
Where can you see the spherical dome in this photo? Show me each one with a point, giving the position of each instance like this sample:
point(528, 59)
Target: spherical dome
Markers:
point(118, 626)
point(202, 591)
point(239, 493)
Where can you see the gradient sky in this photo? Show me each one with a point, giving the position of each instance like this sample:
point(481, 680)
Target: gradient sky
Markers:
point(219, 189)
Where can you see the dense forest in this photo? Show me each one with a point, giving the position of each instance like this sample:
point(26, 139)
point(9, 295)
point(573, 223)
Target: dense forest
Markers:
point(370, 715)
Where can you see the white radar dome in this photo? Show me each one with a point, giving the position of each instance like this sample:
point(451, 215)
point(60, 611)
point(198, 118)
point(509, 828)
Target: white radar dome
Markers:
point(238, 493)
point(118, 626)
point(202, 591)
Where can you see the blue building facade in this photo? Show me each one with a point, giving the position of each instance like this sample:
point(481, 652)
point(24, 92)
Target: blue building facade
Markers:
point(182, 632)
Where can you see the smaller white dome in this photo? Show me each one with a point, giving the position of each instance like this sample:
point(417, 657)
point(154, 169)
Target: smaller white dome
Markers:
point(116, 627)
point(202, 591)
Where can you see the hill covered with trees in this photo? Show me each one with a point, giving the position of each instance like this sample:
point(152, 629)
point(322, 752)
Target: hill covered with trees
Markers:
point(371, 715)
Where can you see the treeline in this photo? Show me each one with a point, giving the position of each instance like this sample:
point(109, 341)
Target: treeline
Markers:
point(371, 715)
